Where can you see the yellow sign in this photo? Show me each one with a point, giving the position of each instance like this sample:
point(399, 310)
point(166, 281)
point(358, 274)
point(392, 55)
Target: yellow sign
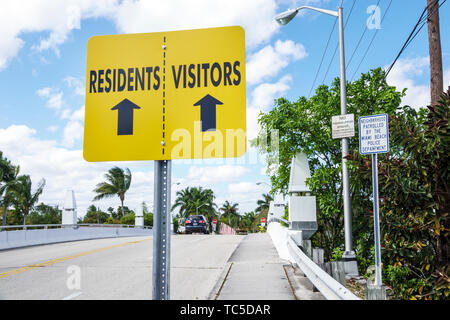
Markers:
point(166, 95)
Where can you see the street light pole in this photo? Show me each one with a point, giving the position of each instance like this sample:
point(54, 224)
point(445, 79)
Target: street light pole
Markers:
point(349, 257)
point(196, 209)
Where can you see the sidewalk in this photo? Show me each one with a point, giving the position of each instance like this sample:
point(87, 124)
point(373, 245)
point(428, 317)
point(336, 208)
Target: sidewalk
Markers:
point(256, 272)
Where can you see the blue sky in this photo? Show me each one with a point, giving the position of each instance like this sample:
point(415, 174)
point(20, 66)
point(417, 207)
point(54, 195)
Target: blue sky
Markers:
point(43, 65)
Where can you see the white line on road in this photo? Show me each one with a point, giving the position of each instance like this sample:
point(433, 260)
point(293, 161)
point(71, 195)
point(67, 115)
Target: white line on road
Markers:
point(73, 295)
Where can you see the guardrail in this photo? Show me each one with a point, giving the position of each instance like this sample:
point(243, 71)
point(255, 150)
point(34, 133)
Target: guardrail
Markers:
point(326, 284)
point(16, 236)
point(54, 226)
point(273, 219)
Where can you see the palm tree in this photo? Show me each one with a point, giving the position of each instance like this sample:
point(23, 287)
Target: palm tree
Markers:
point(195, 199)
point(8, 174)
point(230, 211)
point(22, 196)
point(263, 205)
point(118, 183)
point(248, 221)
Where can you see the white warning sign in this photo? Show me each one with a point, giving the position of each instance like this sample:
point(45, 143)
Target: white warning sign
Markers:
point(374, 134)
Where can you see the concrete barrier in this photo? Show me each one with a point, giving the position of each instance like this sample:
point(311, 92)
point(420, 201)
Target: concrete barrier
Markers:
point(25, 238)
point(226, 229)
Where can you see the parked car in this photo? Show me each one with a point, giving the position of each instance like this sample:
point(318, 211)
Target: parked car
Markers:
point(196, 223)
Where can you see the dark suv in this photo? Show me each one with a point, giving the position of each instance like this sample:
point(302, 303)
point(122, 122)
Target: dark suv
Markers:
point(196, 223)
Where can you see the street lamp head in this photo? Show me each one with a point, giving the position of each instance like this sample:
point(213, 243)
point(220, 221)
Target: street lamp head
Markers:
point(284, 17)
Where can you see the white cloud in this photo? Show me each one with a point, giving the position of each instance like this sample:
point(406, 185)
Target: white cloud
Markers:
point(65, 169)
point(246, 193)
point(215, 174)
point(256, 16)
point(263, 97)
point(242, 188)
point(54, 98)
point(53, 129)
point(73, 131)
point(59, 18)
point(78, 115)
point(404, 75)
point(446, 79)
point(77, 84)
point(9, 48)
point(268, 61)
point(264, 94)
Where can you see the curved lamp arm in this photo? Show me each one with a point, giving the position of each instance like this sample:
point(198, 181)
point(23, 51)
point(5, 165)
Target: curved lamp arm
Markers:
point(284, 17)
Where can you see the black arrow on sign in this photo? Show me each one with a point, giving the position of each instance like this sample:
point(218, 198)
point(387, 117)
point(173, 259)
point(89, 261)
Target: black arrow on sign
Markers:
point(125, 117)
point(208, 112)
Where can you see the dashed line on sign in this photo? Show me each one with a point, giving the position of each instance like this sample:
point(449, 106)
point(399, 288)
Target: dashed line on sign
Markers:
point(163, 143)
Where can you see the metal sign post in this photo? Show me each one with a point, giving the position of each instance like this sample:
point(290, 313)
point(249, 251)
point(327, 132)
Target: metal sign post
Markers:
point(214, 225)
point(376, 220)
point(343, 127)
point(374, 139)
point(161, 230)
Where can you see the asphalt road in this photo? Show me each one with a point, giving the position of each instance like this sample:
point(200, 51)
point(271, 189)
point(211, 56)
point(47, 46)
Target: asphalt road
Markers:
point(116, 268)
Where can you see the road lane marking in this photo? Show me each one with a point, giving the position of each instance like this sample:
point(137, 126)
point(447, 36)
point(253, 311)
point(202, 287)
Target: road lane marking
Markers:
point(73, 295)
point(58, 260)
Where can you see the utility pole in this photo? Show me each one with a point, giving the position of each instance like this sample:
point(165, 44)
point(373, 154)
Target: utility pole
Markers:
point(434, 40)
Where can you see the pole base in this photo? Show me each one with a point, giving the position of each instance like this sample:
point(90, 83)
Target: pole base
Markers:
point(375, 292)
point(350, 264)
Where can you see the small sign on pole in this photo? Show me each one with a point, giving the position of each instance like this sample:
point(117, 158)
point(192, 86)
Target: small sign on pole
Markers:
point(263, 221)
point(374, 139)
point(343, 126)
point(373, 134)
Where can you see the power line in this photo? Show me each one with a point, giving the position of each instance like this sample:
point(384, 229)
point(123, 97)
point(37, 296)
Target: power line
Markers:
point(335, 49)
point(324, 53)
point(323, 56)
point(371, 41)
point(422, 20)
point(359, 42)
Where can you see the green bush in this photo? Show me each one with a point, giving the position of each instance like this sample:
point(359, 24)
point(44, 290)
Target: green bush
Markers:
point(128, 219)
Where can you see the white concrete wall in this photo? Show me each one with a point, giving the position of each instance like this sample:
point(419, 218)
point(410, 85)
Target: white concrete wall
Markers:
point(24, 238)
point(302, 208)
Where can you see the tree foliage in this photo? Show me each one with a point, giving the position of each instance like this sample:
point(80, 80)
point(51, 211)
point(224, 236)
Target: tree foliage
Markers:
point(415, 205)
point(248, 221)
point(8, 175)
point(305, 126)
point(413, 180)
point(95, 216)
point(195, 199)
point(23, 196)
point(118, 181)
point(229, 213)
point(45, 214)
point(263, 204)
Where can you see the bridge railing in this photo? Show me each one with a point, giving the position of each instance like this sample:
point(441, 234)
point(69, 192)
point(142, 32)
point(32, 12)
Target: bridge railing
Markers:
point(75, 226)
point(274, 219)
point(330, 288)
point(16, 236)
